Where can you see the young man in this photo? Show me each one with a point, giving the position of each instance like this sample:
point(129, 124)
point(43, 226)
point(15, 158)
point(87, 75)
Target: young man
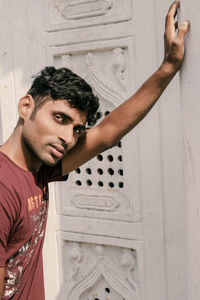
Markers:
point(50, 141)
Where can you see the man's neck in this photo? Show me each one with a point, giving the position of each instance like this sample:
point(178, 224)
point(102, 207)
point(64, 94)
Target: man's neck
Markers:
point(19, 153)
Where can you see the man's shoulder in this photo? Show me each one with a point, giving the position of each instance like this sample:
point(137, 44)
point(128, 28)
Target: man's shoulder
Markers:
point(5, 170)
point(8, 171)
point(11, 183)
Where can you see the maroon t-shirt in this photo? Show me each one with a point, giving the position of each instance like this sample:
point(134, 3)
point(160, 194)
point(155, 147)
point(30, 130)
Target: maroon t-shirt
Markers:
point(23, 214)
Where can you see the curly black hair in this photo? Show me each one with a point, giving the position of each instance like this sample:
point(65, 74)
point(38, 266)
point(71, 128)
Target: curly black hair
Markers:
point(56, 84)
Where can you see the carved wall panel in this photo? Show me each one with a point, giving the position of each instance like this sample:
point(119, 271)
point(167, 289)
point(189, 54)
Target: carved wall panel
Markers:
point(110, 60)
point(102, 187)
point(97, 271)
point(66, 14)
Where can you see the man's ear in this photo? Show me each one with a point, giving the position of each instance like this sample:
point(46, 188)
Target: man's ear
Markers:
point(26, 106)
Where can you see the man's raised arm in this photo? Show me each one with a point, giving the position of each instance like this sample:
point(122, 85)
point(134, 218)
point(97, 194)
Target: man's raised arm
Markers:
point(126, 116)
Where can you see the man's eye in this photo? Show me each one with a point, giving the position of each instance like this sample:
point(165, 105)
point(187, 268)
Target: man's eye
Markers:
point(59, 118)
point(77, 131)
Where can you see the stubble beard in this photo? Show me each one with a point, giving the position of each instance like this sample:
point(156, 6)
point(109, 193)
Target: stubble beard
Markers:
point(36, 157)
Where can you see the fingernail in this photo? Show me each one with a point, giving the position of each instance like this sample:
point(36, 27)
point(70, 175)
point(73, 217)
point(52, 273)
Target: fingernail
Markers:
point(187, 23)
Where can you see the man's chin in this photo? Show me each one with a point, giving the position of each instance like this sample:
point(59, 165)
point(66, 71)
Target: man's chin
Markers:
point(51, 162)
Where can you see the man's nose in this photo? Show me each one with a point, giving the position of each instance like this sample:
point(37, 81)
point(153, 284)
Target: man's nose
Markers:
point(67, 137)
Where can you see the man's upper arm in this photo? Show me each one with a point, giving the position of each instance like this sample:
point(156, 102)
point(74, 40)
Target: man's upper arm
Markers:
point(88, 146)
point(2, 275)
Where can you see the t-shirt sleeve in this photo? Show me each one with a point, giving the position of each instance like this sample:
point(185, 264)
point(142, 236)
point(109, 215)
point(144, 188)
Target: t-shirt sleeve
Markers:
point(54, 173)
point(8, 215)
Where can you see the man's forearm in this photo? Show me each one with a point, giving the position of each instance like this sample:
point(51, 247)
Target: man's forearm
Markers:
point(150, 91)
point(132, 111)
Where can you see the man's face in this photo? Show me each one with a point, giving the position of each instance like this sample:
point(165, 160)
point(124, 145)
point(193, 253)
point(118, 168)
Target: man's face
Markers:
point(54, 131)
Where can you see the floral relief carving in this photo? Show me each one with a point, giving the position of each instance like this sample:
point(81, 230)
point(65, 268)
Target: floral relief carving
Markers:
point(76, 256)
point(102, 270)
point(66, 61)
point(97, 82)
point(90, 60)
point(119, 65)
point(128, 262)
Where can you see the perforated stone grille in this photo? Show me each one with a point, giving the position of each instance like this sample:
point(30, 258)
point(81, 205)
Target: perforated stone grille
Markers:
point(103, 171)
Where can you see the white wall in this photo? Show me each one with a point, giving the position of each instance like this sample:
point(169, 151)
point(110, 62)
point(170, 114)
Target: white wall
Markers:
point(159, 218)
point(190, 88)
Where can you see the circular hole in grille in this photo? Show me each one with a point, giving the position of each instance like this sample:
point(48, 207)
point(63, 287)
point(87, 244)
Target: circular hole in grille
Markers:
point(120, 158)
point(110, 158)
point(88, 171)
point(89, 182)
point(120, 172)
point(111, 184)
point(107, 290)
point(99, 115)
point(100, 157)
point(106, 113)
point(100, 171)
point(100, 183)
point(111, 171)
point(78, 182)
point(121, 185)
point(119, 144)
point(78, 170)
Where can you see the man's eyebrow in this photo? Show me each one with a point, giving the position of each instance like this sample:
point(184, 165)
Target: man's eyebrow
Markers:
point(66, 116)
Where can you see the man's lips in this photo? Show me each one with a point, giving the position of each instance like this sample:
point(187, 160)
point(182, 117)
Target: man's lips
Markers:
point(57, 150)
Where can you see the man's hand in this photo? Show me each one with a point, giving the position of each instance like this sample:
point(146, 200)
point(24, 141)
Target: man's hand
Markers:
point(174, 38)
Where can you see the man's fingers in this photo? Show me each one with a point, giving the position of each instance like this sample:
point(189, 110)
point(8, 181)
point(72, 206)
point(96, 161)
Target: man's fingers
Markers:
point(173, 8)
point(183, 29)
point(172, 12)
point(169, 22)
